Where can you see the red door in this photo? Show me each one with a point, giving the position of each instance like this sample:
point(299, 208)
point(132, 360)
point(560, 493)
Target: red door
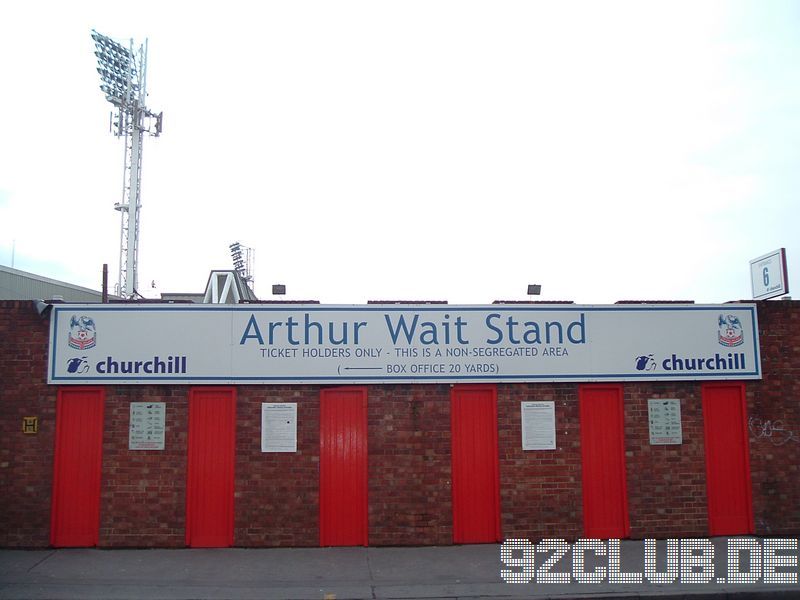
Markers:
point(476, 487)
point(730, 508)
point(75, 514)
point(605, 498)
point(212, 448)
point(343, 467)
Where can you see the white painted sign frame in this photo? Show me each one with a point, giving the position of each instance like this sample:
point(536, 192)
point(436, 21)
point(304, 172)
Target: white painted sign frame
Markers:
point(286, 344)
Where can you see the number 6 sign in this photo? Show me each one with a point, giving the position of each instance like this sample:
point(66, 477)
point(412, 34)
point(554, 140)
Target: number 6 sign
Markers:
point(768, 275)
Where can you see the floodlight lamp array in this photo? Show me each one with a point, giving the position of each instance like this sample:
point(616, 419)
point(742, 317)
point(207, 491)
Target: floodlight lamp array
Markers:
point(236, 256)
point(117, 69)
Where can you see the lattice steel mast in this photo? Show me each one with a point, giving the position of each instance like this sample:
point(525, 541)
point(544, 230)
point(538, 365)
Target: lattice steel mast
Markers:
point(243, 259)
point(123, 72)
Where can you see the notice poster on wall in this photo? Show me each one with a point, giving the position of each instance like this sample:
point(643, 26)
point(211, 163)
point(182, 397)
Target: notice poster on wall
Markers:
point(665, 421)
point(279, 427)
point(148, 421)
point(538, 426)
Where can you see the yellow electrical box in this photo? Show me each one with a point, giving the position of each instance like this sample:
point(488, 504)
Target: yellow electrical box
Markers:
point(30, 425)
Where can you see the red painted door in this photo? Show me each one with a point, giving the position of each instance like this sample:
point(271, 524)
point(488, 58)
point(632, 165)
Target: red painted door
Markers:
point(343, 467)
point(476, 487)
point(730, 508)
point(75, 514)
point(605, 498)
point(210, 469)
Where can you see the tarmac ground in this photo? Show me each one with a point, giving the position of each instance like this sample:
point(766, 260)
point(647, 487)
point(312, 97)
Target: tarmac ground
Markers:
point(473, 571)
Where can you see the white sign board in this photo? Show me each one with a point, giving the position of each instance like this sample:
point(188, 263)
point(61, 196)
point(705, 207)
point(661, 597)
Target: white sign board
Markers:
point(664, 415)
point(148, 422)
point(538, 425)
point(768, 275)
point(247, 344)
point(279, 427)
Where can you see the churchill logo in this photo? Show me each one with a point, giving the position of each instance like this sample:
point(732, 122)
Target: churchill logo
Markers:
point(77, 365)
point(730, 331)
point(82, 333)
point(645, 362)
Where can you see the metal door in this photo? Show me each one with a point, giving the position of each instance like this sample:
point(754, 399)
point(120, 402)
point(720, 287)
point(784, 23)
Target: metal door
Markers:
point(476, 487)
point(605, 498)
point(730, 507)
point(343, 467)
point(210, 476)
point(75, 514)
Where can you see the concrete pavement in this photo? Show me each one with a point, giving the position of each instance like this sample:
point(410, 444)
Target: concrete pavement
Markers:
point(340, 573)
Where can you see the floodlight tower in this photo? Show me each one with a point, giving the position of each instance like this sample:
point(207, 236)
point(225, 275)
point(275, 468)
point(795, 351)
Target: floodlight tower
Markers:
point(123, 72)
point(243, 258)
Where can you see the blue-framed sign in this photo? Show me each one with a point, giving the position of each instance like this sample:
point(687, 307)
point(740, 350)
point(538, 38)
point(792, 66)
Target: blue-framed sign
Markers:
point(252, 343)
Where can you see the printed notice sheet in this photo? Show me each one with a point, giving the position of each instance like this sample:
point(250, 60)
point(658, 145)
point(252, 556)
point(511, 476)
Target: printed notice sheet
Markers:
point(279, 427)
point(665, 421)
point(148, 421)
point(538, 426)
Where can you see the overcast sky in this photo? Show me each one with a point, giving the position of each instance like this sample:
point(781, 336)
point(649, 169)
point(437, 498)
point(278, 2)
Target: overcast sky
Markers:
point(414, 150)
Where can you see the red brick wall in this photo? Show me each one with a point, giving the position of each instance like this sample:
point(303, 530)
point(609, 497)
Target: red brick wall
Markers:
point(773, 407)
point(143, 497)
point(26, 461)
point(276, 495)
point(409, 465)
point(666, 483)
point(540, 491)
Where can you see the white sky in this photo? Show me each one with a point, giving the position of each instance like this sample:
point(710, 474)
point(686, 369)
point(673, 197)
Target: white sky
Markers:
point(414, 150)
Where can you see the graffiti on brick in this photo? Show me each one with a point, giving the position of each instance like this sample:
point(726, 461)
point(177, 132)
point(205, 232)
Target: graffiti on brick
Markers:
point(773, 431)
point(763, 526)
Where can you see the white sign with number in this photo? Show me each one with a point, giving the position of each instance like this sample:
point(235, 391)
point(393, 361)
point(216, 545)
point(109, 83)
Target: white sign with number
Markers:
point(768, 275)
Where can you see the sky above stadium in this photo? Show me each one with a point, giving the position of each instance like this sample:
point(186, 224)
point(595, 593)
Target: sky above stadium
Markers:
point(414, 150)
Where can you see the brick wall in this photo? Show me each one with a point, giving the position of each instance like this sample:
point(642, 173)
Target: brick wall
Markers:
point(409, 465)
point(774, 414)
point(276, 499)
point(666, 483)
point(26, 461)
point(143, 491)
point(276, 495)
point(540, 491)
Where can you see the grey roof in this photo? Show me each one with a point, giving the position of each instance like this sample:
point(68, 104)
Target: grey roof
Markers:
point(21, 285)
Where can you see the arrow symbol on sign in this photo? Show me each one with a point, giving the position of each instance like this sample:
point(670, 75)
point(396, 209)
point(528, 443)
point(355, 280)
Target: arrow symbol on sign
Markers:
point(340, 368)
